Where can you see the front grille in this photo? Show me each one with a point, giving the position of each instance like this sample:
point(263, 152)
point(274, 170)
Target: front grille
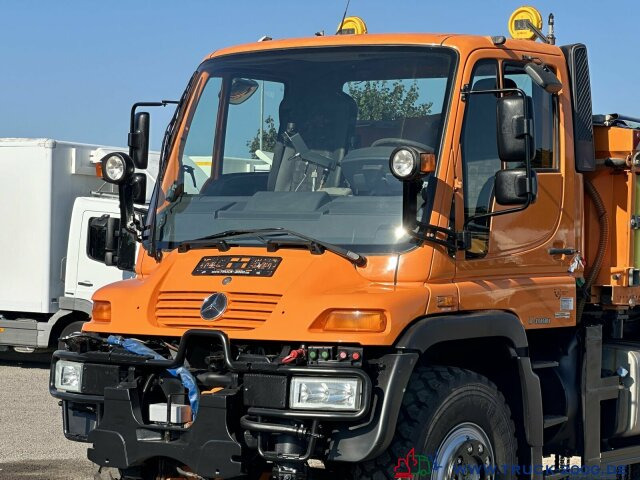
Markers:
point(245, 311)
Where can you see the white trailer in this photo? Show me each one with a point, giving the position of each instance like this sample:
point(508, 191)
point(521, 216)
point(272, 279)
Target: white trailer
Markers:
point(47, 275)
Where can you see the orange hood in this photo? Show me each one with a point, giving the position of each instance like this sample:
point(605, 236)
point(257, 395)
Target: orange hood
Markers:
point(281, 307)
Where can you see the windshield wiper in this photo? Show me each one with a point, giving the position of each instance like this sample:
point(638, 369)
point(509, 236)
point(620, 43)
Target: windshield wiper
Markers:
point(315, 246)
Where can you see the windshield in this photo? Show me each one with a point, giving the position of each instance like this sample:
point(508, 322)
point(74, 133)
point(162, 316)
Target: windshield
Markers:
point(301, 139)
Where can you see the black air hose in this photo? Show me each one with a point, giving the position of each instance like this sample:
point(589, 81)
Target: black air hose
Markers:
point(603, 221)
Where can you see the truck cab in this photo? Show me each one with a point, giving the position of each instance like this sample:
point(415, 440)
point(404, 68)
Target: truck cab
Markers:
point(383, 268)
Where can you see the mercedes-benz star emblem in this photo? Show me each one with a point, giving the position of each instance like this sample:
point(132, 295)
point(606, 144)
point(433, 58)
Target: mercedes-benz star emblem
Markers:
point(213, 306)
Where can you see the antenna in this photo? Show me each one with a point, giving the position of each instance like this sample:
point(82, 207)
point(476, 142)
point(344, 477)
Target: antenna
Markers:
point(346, 8)
point(551, 37)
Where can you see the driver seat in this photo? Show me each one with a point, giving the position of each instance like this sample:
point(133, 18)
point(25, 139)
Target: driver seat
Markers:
point(326, 122)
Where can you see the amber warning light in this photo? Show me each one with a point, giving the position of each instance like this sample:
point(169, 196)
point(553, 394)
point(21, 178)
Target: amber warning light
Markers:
point(525, 23)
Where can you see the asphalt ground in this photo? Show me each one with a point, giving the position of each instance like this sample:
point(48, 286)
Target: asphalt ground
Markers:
point(32, 445)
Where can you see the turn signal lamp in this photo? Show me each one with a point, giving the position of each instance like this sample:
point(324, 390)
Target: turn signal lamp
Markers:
point(521, 21)
point(101, 311)
point(352, 26)
point(351, 321)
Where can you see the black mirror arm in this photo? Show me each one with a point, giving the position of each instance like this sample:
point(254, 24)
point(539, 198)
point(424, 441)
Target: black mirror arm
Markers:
point(125, 194)
point(135, 106)
point(522, 207)
point(136, 140)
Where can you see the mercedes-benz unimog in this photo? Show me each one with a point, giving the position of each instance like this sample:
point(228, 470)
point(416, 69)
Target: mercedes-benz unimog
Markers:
point(413, 256)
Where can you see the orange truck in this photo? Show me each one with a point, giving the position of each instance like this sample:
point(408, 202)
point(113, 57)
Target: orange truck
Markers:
point(409, 256)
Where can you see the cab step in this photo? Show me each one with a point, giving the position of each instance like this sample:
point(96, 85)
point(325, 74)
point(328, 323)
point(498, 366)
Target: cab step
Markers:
point(553, 420)
point(540, 364)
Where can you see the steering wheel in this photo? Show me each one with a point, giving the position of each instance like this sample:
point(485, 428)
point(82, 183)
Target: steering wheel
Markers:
point(401, 142)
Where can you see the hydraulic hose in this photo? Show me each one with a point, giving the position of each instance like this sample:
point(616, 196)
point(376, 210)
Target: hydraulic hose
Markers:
point(603, 222)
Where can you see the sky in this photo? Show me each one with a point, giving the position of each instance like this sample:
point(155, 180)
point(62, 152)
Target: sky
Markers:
point(72, 68)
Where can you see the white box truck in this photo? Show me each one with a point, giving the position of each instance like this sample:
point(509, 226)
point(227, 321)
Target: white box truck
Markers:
point(50, 194)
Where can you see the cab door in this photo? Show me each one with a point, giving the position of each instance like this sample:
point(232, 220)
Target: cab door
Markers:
point(508, 264)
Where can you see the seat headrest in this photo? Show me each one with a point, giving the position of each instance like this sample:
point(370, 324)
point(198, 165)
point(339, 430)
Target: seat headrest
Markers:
point(485, 84)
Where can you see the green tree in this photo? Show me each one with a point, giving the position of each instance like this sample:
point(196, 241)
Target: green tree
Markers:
point(382, 100)
point(269, 136)
point(376, 100)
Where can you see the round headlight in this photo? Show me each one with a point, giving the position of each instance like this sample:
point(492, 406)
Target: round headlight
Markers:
point(116, 168)
point(404, 163)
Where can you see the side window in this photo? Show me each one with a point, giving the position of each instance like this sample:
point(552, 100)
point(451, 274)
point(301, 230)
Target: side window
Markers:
point(543, 114)
point(198, 150)
point(480, 160)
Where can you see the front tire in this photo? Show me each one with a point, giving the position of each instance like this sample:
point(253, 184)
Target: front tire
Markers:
point(455, 418)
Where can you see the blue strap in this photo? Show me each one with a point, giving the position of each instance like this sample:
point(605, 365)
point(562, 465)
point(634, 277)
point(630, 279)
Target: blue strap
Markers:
point(188, 380)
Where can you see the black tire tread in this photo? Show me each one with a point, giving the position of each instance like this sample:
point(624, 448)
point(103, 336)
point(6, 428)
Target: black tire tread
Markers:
point(427, 389)
point(74, 326)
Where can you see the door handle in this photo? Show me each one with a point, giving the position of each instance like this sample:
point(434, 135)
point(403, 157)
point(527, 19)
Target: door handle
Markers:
point(562, 251)
point(86, 283)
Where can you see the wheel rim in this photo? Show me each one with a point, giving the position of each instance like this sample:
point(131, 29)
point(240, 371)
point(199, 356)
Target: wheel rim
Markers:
point(466, 445)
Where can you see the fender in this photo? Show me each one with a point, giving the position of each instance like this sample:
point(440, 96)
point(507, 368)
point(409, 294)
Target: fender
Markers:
point(429, 331)
point(373, 439)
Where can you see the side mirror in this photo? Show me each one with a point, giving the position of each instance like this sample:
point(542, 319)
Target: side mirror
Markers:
point(139, 188)
point(543, 77)
point(515, 129)
point(139, 140)
point(103, 239)
point(511, 186)
point(242, 89)
point(127, 246)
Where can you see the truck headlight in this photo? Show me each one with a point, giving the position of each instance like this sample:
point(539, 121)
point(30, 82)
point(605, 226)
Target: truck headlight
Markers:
point(117, 168)
point(404, 162)
point(68, 376)
point(320, 393)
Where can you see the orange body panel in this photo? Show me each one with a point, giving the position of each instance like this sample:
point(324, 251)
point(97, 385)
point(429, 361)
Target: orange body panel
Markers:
point(618, 190)
point(517, 275)
point(615, 142)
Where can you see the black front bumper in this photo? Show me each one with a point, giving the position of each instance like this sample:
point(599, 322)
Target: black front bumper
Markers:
point(215, 444)
point(121, 441)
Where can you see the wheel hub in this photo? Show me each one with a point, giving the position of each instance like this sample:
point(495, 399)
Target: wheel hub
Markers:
point(464, 454)
point(471, 461)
